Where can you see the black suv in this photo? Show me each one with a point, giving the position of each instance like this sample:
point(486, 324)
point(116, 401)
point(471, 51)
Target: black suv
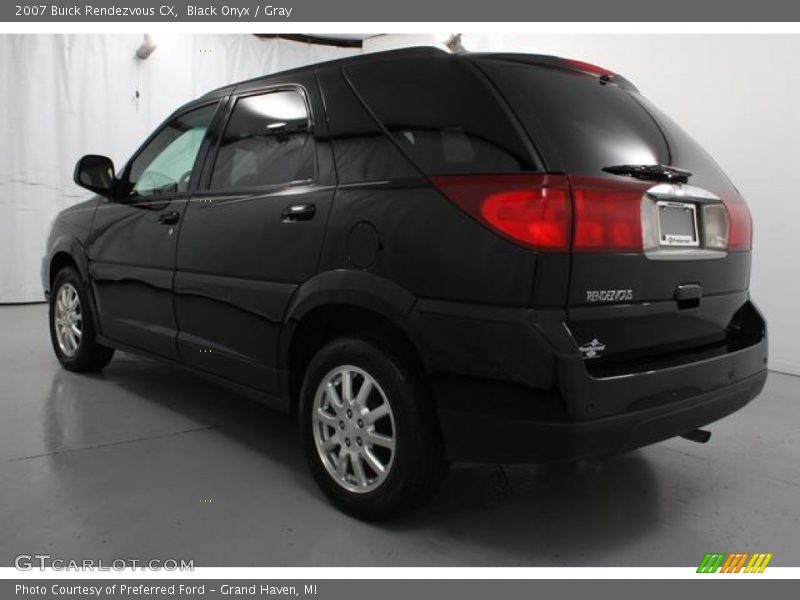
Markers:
point(426, 257)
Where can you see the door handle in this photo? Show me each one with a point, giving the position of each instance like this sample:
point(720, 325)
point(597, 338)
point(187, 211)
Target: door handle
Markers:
point(169, 218)
point(299, 212)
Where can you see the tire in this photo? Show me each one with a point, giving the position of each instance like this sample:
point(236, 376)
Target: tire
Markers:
point(413, 466)
point(79, 352)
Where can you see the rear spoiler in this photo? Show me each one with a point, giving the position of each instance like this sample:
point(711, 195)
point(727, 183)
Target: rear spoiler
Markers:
point(556, 62)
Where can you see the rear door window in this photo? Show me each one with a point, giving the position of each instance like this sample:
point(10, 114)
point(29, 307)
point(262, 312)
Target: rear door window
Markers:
point(267, 142)
point(443, 114)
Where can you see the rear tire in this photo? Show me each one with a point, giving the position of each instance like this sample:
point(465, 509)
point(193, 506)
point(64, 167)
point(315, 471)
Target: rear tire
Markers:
point(376, 454)
point(72, 329)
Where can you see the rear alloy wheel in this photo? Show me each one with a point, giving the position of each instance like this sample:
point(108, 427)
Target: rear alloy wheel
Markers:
point(369, 429)
point(71, 327)
point(354, 429)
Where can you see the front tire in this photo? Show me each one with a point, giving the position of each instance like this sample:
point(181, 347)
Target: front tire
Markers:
point(369, 430)
point(72, 326)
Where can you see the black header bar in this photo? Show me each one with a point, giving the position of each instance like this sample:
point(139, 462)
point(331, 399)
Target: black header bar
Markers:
point(270, 11)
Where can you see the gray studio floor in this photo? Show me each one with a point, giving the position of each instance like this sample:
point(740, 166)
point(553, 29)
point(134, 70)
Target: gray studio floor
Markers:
point(148, 461)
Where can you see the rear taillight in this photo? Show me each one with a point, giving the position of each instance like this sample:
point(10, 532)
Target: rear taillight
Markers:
point(716, 226)
point(741, 227)
point(534, 210)
point(608, 214)
point(603, 215)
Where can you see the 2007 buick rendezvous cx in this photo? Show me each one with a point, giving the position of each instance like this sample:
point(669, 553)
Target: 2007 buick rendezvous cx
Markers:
point(426, 257)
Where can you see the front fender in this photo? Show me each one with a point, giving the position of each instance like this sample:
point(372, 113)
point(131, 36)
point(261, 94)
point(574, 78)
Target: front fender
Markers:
point(70, 234)
point(70, 245)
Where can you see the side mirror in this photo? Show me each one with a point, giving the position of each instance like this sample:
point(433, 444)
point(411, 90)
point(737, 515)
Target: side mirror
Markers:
point(96, 174)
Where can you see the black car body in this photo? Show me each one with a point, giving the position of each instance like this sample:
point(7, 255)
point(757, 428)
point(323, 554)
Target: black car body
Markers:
point(500, 220)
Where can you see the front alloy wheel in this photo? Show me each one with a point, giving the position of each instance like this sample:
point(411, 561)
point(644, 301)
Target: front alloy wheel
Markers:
point(72, 325)
point(68, 320)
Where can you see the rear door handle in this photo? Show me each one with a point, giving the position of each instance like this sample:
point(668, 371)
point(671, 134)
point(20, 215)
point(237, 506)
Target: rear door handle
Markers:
point(169, 218)
point(299, 212)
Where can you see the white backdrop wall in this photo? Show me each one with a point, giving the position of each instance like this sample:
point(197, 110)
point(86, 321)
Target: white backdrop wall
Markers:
point(739, 96)
point(63, 96)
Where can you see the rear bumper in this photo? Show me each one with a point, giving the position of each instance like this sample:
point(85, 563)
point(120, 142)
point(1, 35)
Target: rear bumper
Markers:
point(481, 437)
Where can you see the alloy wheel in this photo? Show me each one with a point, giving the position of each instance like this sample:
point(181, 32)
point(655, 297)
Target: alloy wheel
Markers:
point(68, 320)
point(354, 429)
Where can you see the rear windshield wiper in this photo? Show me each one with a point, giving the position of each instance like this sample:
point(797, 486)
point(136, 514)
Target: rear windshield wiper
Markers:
point(651, 172)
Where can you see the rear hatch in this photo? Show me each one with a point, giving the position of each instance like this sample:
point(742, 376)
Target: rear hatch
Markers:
point(660, 256)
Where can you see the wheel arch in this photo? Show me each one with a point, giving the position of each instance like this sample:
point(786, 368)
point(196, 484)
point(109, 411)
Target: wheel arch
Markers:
point(67, 251)
point(339, 303)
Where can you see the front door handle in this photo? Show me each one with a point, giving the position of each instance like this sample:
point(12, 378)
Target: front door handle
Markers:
point(169, 218)
point(299, 212)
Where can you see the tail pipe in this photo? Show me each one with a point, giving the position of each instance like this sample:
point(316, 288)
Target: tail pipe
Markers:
point(701, 436)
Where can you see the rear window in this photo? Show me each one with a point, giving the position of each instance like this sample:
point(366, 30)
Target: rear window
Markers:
point(443, 114)
point(688, 154)
point(589, 125)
